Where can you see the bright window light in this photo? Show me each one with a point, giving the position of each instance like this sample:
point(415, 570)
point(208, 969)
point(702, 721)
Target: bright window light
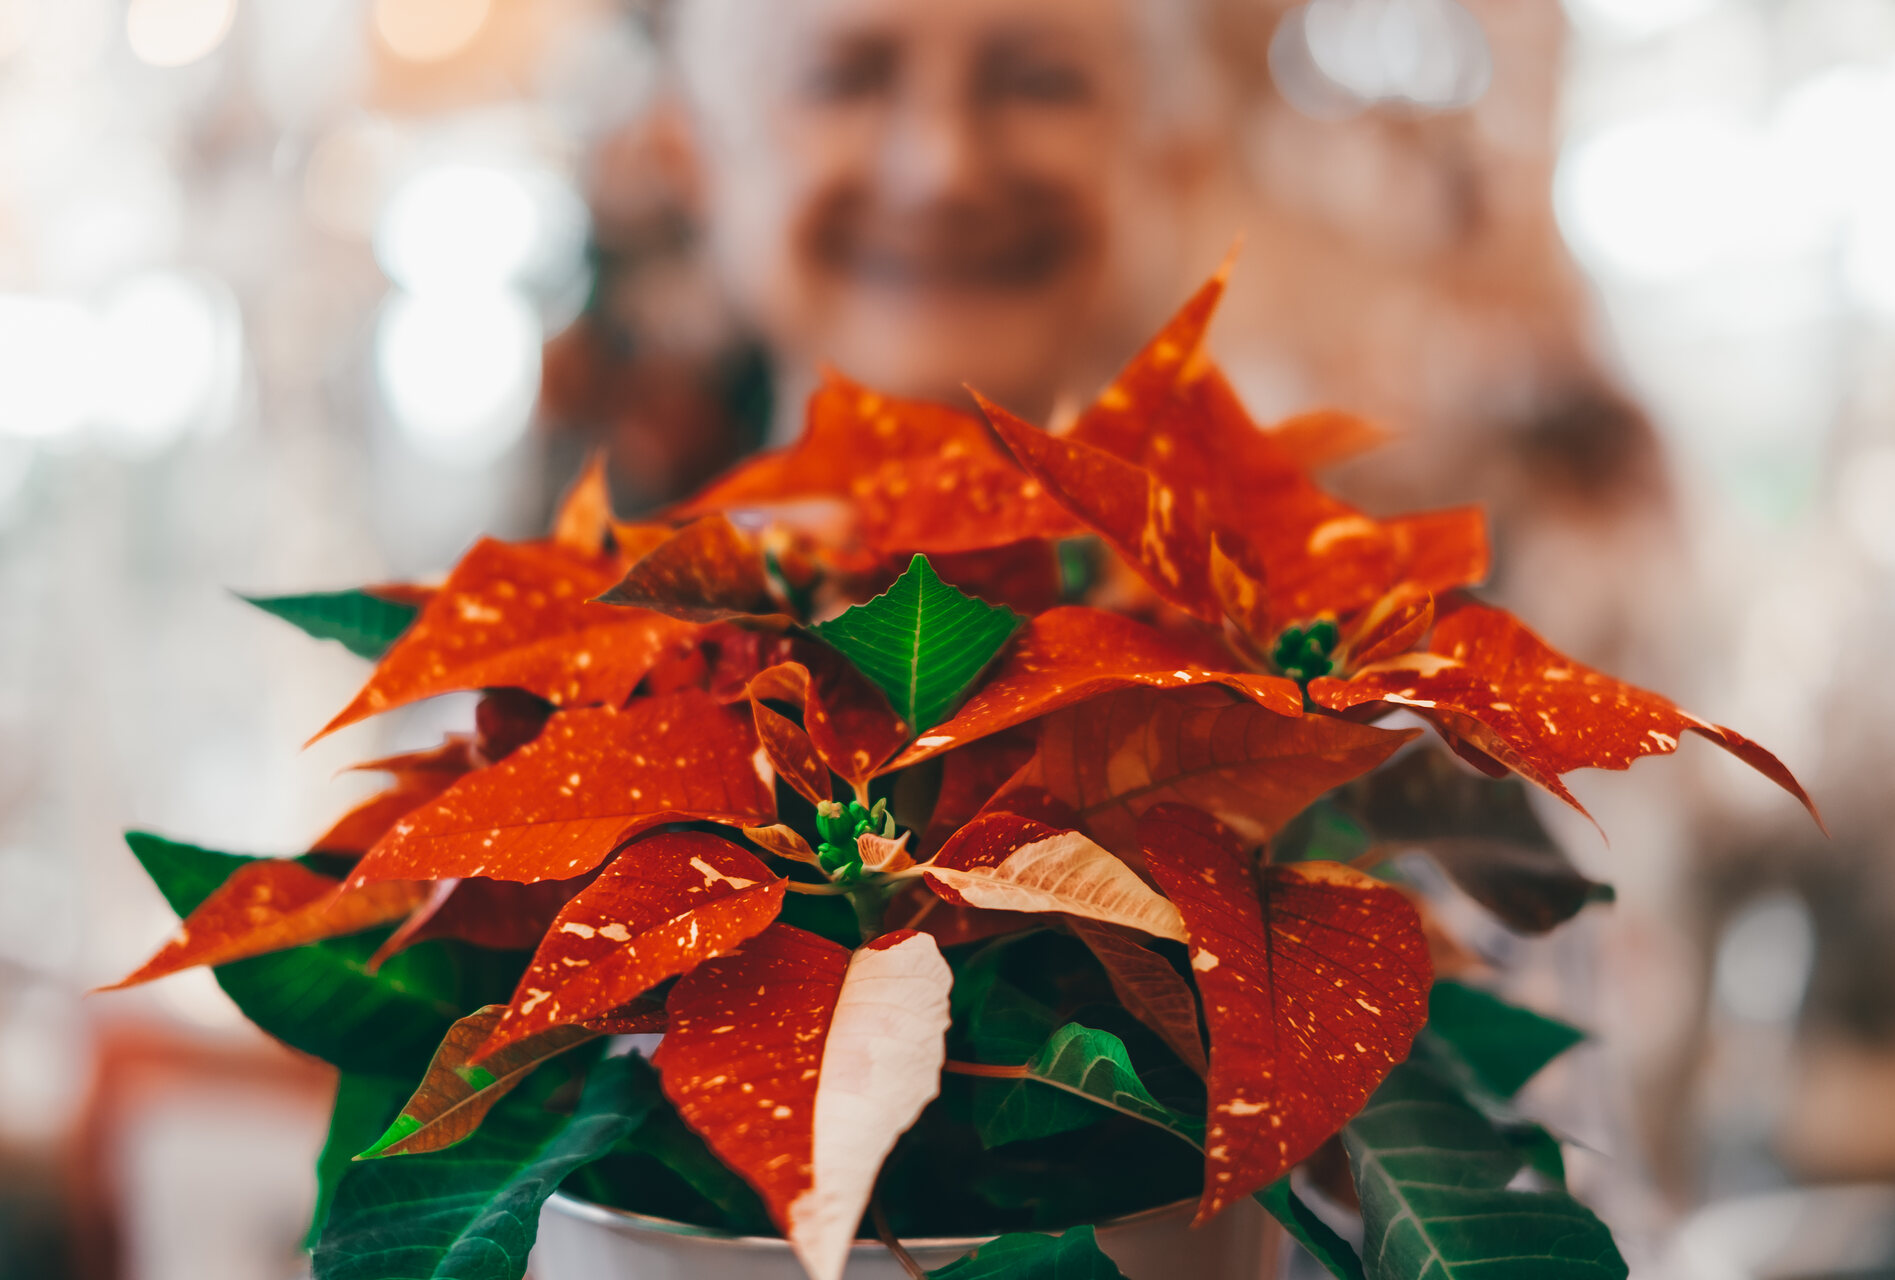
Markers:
point(172, 33)
point(459, 371)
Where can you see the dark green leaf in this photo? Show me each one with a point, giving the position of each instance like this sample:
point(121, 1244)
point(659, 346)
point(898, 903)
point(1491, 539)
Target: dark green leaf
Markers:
point(1538, 1149)
point(667, 1139)
point(1307, 1229)
point(1073, 1256)
point(921, 642)
point(364, 1106)
point(1481, 831)
point(471, 1212)
point(364, 624)
point(322, 999)
point(1433, 1173)
point(1076, 1070)
point(1502, 1044)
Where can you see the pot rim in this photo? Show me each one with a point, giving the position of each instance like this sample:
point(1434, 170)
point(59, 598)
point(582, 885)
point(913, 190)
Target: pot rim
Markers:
point(626, 1222)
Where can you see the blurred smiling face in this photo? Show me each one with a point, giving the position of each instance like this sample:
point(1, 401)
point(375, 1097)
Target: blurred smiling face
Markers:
point(921, 192)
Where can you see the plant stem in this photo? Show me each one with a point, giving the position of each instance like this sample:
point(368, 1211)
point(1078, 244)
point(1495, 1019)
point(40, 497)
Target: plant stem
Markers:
point(990, 1070)
point(868, 901)
point(879, 1216)
point(831, 889)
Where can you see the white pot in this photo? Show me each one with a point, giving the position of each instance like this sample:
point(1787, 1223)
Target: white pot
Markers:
point(579, 1240)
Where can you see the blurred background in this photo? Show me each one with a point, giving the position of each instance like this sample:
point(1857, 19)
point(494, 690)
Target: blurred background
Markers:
point(300, 294)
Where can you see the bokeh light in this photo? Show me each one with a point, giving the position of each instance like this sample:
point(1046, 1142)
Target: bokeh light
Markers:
point(429, 30)
point(174, 33)
point(464, 225)
point(459, 371)
point(46, 370)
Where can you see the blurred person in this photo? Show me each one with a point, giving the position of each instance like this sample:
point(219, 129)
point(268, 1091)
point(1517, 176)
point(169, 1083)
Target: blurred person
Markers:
point(989, 193)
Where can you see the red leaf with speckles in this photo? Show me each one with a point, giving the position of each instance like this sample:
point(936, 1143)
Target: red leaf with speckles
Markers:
point(1112, 758)
point(1315, 981)
point(501, 915)
point(271, 904)
point(912, 476)
point(708, 571)
point(847, 720)
point(419, 776)
point(800, 1064)
point(1144, 518)
point(556, 807)
point(1488, 682)
point(665, 904)
point(520, 616)
point(1167, 457)
point(1070, 654)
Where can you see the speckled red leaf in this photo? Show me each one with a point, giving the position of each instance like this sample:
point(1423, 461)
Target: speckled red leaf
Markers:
point(1147, 520)
point(583, 523)
point(1114, 757)
point(1498, 686)
point(1388, 628)
point(708, 571)
point(1024, 576)
point(970, 777)
point(520, 616)
point(915, 476)
point(419, 776)
point(1073, 653)
point(271, 904)
point(501, 915)
point(1149, 988)
point(556, 807)
point(848, 720)
point(1312, 992)
point(665, 904)
point(800, 1064)
point(792, 753)
point(1174, 414)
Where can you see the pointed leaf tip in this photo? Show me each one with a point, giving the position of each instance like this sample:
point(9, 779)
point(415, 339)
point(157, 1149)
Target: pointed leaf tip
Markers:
point(922, 642)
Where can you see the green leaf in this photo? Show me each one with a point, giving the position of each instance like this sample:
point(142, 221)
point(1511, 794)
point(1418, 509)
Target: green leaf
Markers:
point(322, 999)
point(471, 1212)
point(667, 1139)
point(364, 1106)
point(365, 625)
point(1433, 1172)
point(1502, 1044)
point(1337, 1256)
point(1077, 1069)
point(1073, 1256)
point(921, 642)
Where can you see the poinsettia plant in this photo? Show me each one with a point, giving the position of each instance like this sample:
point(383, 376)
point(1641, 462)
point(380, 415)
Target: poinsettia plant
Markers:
point(994, 829)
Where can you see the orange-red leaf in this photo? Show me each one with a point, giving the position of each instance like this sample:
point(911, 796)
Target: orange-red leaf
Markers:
point(1388, 628)
point(1070, 654)
point(271, 904)
point(1147, 520)
point(708, 571)
point(520, 616)
point(914, 476)
point(800, 1064)
point(848, 720)
point(583, 522)
point(1112, 758)
point(970, 777)
point(419, 776)
point(557, 806)
point(793, 754)
point(501, 915)
point(1313, 993)
point(1494, 684)
point(665, 904)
